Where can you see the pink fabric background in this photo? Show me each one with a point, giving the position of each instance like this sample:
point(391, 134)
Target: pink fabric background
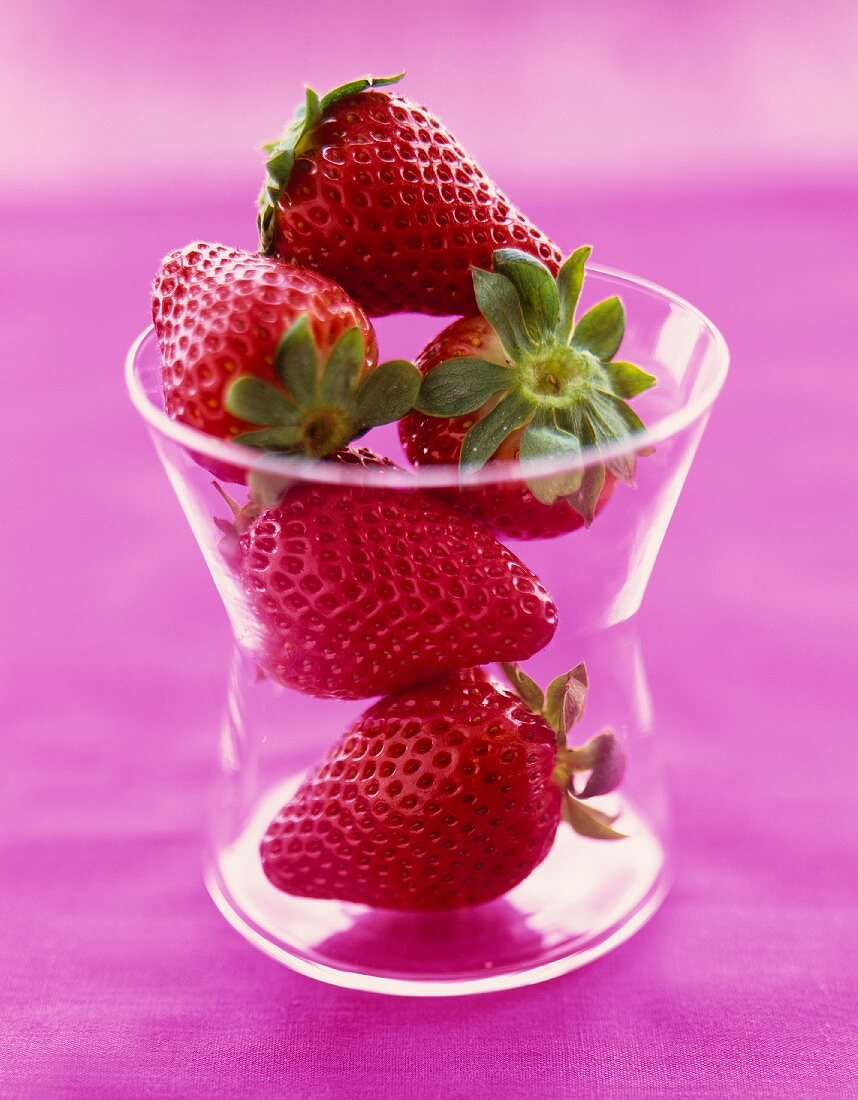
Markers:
point(713, 152)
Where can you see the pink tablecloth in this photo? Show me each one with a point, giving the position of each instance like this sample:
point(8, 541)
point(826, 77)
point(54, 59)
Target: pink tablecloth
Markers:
point(118, 976)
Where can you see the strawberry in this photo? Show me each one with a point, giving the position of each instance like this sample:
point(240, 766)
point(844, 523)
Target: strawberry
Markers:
point(443, 796)
point(375, 192)
point(268, 355)
point(358, 590)
point(526, 381)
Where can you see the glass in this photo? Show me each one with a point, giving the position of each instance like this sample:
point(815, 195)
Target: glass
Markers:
point(588, 895)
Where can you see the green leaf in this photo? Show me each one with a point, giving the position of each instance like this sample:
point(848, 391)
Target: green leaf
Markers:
point(258, 402)
point(266, 222)
point(484, 438)
point(604, 757)
point(569, 282)
point(267, 490)
point(462, 385)
point(527, 689)
point(623, 466)
point(355, 86)
point(279, 166)
point(600, 330)
point(296, 362)
point(499, 304)
point(542, 439)
point(588, 821)
point(537, 291)
point(387, 394)
point(627, 379)
point(570, 418)
point(586, 498)
point(632, 421)
point(342, 371)
point(575, 418)
point(271, 439)
point(613, 421)
point(566, 698)
point(606, 416)
point(549, 488)
point(312, 110)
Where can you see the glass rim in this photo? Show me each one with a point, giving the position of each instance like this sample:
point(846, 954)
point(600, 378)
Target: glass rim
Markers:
point(297, 467)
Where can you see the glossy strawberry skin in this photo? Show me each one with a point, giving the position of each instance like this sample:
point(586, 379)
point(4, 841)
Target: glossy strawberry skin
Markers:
point(507, 508)
point(219, 312)
point(436, 798)
point(386, 202)
point(359, 591)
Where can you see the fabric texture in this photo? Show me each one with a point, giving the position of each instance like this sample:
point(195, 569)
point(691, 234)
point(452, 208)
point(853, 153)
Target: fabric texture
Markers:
point(119, 978)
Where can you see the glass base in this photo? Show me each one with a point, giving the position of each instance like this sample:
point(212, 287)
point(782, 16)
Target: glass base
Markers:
point(584, 900)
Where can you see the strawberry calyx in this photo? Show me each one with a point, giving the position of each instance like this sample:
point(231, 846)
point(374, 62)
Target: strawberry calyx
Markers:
point(602, 758)
point(554, 388)
point(320, 406)
point(297, 138)
point(265, 491)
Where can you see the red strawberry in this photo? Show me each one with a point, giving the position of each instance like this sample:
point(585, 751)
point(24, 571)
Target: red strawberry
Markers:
point(443, 796)
point(376, 192)
point(359, 590)
point(269, 355)
point(524, 380)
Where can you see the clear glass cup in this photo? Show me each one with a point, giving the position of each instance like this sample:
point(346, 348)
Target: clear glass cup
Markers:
point(588, 895)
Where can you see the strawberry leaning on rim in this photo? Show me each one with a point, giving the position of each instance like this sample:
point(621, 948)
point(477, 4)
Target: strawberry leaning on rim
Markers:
point(357, 590)
point(526, 381)
point(269, 355)
point(446, 795)
point(374, 191)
